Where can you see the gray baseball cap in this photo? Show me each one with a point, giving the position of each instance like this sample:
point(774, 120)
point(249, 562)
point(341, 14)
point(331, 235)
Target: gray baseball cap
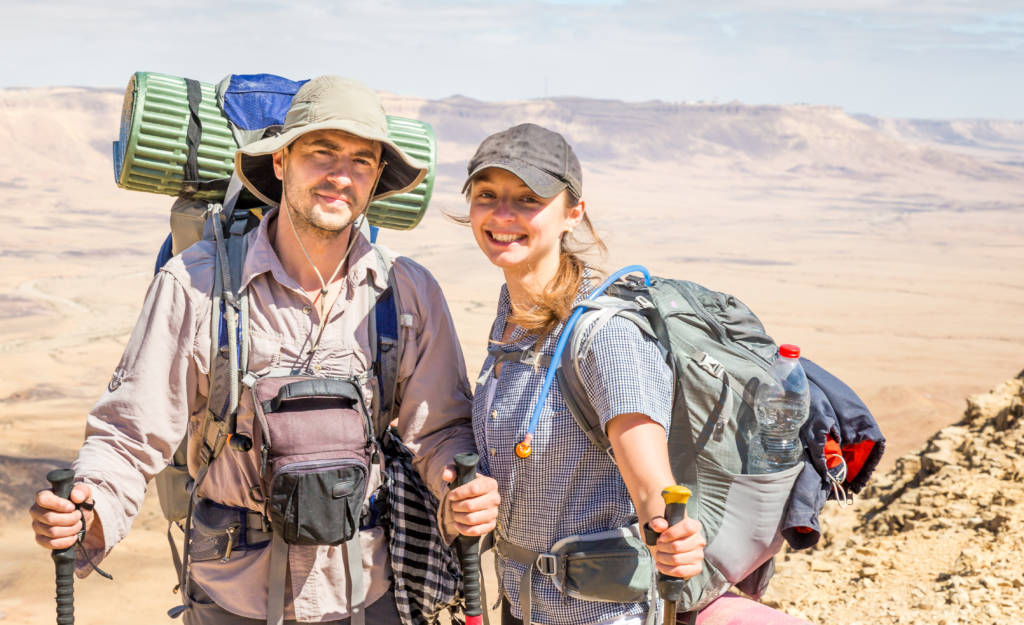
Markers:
point(330, 103)
point(541, 158)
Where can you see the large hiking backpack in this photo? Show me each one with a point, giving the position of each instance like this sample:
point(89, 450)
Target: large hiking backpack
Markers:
point(427, 577)
point(426, 572)
point(719, 353)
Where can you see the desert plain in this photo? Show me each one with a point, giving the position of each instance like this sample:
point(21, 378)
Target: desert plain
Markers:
point(890, 250)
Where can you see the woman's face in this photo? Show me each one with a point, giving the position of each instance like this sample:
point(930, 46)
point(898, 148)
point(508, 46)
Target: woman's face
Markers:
point(514, 227)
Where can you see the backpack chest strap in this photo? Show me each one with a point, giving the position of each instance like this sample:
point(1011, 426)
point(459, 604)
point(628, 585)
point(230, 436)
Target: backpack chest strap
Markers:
point(528, 356)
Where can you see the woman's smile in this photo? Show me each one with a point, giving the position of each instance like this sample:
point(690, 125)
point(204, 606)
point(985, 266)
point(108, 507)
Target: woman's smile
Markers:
point(505, 237)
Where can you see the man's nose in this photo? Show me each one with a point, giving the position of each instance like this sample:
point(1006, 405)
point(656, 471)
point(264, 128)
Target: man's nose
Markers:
point(341, 174)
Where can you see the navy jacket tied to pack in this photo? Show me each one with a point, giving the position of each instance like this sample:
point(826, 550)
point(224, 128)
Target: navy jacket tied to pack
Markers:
point(839, 425)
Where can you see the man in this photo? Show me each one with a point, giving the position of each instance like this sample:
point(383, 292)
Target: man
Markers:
point(312, 278)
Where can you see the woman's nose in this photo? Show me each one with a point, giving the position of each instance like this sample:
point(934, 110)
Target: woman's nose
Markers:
point(503, 207)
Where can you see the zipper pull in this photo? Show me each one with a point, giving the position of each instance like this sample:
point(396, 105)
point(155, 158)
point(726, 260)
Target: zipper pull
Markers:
point(230, 531)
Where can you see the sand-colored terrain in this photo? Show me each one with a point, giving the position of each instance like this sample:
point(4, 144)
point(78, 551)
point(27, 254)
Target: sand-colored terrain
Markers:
point(890, 250)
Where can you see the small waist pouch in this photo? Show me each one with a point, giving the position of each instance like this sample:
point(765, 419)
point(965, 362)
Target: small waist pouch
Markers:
point(218, 531)
point(613, 565)
point(316, 444)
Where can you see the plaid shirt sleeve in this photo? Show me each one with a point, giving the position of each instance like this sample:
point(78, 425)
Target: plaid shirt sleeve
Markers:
point(624, 372)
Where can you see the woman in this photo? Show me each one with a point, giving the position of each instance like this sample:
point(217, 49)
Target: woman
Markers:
point(526, 211)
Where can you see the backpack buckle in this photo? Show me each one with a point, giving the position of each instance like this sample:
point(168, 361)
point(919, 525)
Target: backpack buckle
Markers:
point(547, 564)
point(709, 364)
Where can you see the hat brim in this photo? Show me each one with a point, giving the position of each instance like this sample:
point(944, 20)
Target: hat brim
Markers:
point(540, 181)
point(255, 165)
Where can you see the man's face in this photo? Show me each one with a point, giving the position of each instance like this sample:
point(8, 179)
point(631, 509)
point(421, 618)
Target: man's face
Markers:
point(327, 177)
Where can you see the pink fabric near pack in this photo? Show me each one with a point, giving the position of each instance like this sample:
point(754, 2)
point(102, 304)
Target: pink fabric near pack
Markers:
point(730, 609)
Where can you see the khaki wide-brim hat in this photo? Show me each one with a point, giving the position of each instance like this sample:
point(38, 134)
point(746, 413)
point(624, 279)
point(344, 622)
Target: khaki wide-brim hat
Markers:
point(329, 103)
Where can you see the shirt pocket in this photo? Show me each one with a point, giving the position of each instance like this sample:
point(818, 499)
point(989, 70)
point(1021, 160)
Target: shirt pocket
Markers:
point(339, 361)
point(264, 352)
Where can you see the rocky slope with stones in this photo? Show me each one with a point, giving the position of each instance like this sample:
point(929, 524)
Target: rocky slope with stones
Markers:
point(938, 540)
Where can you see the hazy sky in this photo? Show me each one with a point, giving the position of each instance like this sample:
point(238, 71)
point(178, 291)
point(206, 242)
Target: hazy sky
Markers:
point(945, 58)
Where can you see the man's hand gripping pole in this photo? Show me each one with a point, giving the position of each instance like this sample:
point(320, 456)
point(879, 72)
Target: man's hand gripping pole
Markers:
point(61, 482)
point(469, 547)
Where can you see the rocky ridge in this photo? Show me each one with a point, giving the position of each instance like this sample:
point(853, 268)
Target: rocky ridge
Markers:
point(936, 541)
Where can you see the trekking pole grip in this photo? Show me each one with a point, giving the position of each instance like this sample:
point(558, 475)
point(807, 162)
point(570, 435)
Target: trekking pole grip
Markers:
point(61, 482)
point(468, 546)
point(671, 588)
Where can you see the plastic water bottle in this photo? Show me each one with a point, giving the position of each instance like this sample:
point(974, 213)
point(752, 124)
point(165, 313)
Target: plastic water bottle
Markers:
point(781, 406)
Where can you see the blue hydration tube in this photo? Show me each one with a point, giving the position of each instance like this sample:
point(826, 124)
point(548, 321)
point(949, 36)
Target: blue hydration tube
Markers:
point(523, 448)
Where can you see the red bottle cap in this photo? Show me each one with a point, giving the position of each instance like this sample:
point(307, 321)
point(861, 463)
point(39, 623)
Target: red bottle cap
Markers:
point(789, 351)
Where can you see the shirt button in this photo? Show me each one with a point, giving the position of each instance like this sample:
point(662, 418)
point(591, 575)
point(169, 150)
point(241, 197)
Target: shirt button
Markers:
point(493, 451)
point(494, 414)
point(317, 368)
point(307, 309)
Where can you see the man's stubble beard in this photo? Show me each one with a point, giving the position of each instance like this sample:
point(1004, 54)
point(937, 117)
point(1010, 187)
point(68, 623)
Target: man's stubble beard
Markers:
point(307, 222)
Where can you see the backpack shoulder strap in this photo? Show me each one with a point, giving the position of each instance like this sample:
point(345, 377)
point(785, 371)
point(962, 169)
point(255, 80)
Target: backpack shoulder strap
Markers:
point(570, 377)
point(229, 342)
point(385, 345)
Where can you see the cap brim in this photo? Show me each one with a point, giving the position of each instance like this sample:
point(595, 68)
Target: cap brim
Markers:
point(255, 167)
point(540, 182)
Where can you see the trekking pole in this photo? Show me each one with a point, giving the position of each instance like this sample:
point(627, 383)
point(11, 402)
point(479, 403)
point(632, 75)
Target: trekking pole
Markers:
point(61, 482)
point(469, 547)
point(671, 588)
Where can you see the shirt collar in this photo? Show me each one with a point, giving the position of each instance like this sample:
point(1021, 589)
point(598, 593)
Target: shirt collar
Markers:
point(261, 257)
point(520, 339)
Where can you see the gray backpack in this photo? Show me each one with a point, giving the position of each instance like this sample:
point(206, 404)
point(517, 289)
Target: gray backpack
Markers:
point(719, 353)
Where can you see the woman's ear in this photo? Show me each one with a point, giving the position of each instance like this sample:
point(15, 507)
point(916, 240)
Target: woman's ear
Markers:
point(575, 215)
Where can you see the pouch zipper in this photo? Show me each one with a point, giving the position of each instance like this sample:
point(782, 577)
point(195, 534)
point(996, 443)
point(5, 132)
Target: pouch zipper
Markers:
point(307, 466)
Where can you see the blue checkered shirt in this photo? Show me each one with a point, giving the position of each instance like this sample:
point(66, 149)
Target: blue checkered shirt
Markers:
point(567, 486)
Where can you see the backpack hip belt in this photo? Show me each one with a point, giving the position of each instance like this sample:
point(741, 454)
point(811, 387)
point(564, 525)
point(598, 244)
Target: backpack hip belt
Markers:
point(218, 531)
point(613, 566)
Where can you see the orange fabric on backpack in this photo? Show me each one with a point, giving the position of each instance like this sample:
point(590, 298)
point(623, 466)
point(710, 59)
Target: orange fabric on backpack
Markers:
point(854, 455)
point(833, 454)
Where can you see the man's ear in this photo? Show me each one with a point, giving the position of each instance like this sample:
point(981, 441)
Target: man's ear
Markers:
point(278, 158)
